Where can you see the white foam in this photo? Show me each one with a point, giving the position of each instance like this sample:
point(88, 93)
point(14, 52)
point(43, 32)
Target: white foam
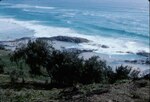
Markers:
point(115, 45)
point(5, 4)
point(29, 6)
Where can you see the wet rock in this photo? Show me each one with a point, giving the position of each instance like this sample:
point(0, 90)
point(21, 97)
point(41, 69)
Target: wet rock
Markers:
point(143, 53)
point(131, 61)
point(78, 50)
point(105, 46)
point(147, 61)
point(67, 39)
point(129, 52)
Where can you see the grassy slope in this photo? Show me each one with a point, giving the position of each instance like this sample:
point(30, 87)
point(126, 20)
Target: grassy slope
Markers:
point(34, 89)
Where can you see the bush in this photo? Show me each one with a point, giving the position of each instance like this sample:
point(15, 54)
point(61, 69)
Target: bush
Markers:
point(35, 55)
point(110, 75)
point(122, 72)
point(134, 74)
point(93, 71)
point(2, 47)
point(64, 67)
point(1, 67)
point(67, 68)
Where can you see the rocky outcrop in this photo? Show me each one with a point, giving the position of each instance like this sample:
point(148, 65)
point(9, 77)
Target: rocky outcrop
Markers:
point(66, 39)
point(143, 53)
point(77, 50)
point(13, 43)
point(105, 46)
point(146, 61)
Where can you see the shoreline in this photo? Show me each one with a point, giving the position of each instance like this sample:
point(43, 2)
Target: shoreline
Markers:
point(73, 44)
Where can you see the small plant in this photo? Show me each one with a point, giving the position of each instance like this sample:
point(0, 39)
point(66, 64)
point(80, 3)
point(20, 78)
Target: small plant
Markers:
point(110, 75)
point(122, 72)
point(134, 74)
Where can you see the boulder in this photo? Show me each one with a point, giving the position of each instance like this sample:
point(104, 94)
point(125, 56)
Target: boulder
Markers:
point(105, 46)
point(77, 50)
point(143, 53)
point(67, 39)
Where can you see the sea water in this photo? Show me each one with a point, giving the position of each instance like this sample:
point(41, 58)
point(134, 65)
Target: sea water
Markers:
point(121, 25)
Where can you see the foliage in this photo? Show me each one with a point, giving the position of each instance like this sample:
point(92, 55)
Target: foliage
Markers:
point(1, 67)
point(2, 47)
point(93, 71)
point(64, 67)
point(35, 55)
point(68, 69)
point(134, 74)
point(110, 75)
point(122, 72)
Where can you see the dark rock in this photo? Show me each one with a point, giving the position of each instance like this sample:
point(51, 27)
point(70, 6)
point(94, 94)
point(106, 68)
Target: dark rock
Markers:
point(78, 50)
point(24, 38)
point(147, 61)
point(143, 53)
point(119, 51)
point(138, 61)
point(67, 39)
point(129, 52)
point(105, 46)
point(131, 61)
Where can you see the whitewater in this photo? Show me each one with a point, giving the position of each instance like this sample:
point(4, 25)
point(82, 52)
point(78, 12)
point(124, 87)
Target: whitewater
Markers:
point(123, 29)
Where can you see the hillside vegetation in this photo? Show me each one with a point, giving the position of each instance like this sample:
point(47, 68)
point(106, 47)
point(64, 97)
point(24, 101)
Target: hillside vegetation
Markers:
point(37, 72)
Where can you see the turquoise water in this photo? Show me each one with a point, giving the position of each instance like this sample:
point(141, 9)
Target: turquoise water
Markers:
point(124, 22)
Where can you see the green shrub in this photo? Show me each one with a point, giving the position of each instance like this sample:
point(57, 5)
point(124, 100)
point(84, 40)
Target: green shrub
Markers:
point(64, 67)
point(134, 74)
point(93, 71)
point(35, 55)
point(122, 72)
point(1, 67)
point(110, 75)
point(67, 68)
point(2, 47)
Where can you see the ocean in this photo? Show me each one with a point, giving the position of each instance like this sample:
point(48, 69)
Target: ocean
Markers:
point(121, 25)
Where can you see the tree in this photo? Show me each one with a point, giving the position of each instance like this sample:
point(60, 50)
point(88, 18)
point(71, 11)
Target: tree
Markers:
point(35, 55)
point(93, 71)
point(64, 67)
